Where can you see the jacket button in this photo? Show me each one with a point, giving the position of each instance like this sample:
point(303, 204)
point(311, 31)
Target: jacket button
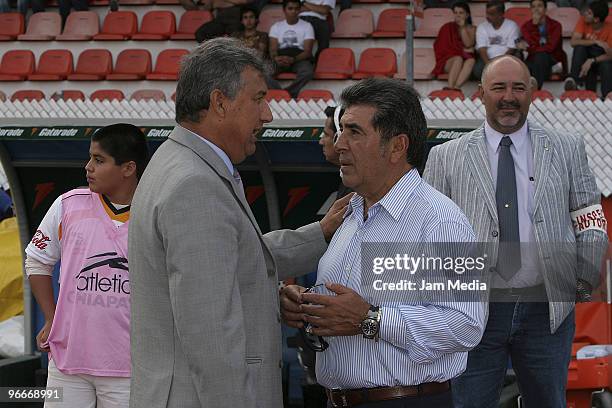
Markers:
point(495, 233)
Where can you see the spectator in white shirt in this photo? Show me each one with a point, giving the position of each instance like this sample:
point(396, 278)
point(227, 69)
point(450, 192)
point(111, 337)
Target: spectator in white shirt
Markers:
point(291, 42)
point(494, 37)
point(315, 12)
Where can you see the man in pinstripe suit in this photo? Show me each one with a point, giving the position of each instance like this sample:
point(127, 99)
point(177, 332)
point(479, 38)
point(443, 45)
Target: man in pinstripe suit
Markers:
point(517, 181)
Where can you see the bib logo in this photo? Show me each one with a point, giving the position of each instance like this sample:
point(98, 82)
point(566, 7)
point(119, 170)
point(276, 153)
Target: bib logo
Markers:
point(40, 240)
point(159, 132)
point(90, 285)
point(282, 134)
point(58, 132)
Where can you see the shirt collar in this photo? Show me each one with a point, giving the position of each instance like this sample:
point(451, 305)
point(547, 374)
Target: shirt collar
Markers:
point(519, 138)
point(394, 201)
point(216, 149)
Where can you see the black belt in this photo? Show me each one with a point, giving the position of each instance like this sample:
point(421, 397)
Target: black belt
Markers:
point(352, 398)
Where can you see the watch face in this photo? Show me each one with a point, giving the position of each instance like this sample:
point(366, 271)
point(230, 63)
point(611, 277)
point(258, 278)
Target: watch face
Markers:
point(369, 327)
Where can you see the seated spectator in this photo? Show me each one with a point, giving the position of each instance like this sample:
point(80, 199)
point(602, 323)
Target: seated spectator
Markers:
point(291, 43)
point(454, 47)
point(542, 41)
point(494, 37)
point(22, 6)
point(592, 39)
point(315, 12)
point(226, 21)
point(249, 17)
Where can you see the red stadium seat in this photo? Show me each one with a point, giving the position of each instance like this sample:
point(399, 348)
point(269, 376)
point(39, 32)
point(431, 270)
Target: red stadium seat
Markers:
point(107, 95)
point(44, 26)
point(268, 17)
point(167, 65)
point(118, 26)
point(478, 12)
point(335, 63)
point(28, 95)
point(567, 16)
point(520, 15)
point(286, 75)
point(376, 62)
point(277, 95)
point(70, 95)
point(80, 26)
point(156, 25)
point(11, 25)
point(131, 65)
point(541, 94)
point(148, 94)
point(53, 65)
point(391, 23)
point(16, 65)
point(92, 65)
point(447, 94)
point(354, 23)
point(315, 94)
point(581, 95)
point(433, 19)
point(190, 21)
point(424, 63)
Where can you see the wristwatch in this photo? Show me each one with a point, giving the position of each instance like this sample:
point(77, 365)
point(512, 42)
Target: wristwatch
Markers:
point(370, 326)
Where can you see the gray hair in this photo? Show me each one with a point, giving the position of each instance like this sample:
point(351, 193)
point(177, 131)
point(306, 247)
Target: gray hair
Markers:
point(398, 110)
point(216, 64)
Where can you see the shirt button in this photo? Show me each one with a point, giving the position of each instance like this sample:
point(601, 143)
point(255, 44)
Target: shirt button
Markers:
point(495, 233)
point(347, 268)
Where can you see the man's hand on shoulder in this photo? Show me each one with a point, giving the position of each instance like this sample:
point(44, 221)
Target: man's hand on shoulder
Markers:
point(334, 217)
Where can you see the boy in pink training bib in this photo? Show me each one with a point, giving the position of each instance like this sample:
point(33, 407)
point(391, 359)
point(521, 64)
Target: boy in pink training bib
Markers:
point(87, 333)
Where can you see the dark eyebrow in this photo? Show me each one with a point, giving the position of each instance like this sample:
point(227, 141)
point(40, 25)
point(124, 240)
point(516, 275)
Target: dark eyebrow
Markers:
point(352, 126)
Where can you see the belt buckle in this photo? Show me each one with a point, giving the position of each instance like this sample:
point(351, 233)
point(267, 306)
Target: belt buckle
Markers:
point(342, 395)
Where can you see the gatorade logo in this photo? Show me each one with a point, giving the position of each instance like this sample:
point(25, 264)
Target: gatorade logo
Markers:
point(282, 134)
point(11, 132)
point(58, 132)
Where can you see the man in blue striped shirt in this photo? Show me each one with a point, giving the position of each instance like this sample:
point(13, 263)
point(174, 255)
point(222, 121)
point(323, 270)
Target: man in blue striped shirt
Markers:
point(385, 350)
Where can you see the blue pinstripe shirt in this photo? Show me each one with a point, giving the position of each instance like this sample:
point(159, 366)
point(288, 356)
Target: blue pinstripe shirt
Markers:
point(418, 342)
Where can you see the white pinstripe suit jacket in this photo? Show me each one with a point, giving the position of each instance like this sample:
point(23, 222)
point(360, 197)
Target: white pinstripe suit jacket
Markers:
point(563, 183)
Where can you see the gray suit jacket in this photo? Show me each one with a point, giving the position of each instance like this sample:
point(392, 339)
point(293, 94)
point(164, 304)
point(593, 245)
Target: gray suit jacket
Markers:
point(563, 183)
point(205, 323)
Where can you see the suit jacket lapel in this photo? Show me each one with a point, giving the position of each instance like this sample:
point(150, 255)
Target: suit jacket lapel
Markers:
point(479, 166)
point(216, 163)
point(542, 154)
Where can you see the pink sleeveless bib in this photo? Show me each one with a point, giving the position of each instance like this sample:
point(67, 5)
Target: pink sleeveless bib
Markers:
point(91, 328)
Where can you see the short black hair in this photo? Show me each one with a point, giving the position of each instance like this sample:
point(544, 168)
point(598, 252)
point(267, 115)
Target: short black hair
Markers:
point(398, 110)
point(286, 2)
point(499, 5)
point(124, 143)
point(543, 1)
point(600, 9)
point(329, 112)
point(249, 8)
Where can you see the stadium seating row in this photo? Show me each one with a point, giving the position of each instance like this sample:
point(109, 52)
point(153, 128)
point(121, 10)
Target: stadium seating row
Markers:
point(161, 24)
point(92, 65)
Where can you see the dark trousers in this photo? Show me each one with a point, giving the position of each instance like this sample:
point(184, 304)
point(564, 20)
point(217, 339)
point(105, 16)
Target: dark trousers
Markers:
point(227, 21)
point(540, 67)
point(519, 331)
point(66, 5)
point(442, 400)
point(304, 73)
point(604, 69)
point(321, 30)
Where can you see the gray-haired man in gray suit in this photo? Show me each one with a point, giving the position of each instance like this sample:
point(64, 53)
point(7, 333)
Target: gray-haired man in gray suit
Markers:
point(205, 328)
point(518, 182)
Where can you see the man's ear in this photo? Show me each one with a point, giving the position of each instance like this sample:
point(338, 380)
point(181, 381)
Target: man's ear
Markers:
point(218, 103)
point(129, 169)
point(399, 148)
